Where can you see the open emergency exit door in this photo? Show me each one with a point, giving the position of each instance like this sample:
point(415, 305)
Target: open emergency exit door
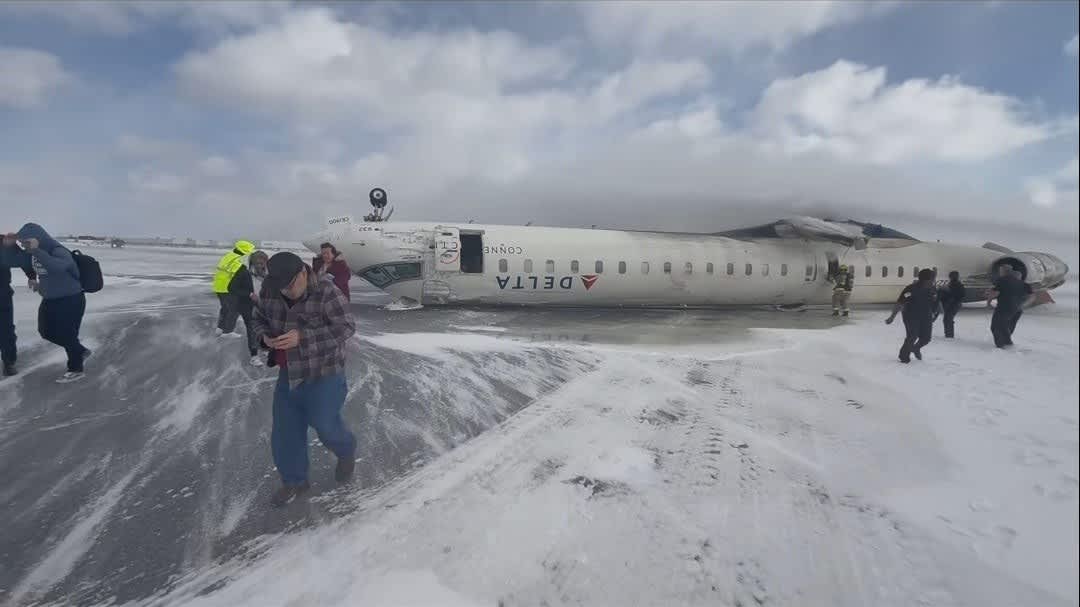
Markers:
point(447, 249)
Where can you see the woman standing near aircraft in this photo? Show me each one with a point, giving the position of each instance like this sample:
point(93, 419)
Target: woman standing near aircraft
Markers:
point(331, 262)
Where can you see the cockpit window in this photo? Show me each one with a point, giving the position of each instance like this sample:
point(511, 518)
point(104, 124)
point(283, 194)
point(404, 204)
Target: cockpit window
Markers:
point(389, 273)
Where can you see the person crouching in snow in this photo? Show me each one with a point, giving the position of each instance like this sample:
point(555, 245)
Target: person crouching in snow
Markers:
point(305, 322)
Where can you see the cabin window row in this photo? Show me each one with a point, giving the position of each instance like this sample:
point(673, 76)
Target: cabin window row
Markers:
point(899, 271)
point(688, 267)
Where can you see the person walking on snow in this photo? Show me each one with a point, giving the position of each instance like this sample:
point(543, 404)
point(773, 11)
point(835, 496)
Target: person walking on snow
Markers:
point(1011, 293)
point(63, 302)
point(843, 282)
point(305, 322)
point(1023, 302)
point(330, 262)
point(245, 295)
point(227, 267)
point(951, 298)
point(917, 301)
point(9, 351)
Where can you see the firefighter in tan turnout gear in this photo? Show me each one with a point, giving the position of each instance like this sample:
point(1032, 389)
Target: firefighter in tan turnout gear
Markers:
point(843, 281)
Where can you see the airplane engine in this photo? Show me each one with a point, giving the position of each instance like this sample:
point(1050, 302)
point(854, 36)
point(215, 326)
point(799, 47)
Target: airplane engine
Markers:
point(1040, 270)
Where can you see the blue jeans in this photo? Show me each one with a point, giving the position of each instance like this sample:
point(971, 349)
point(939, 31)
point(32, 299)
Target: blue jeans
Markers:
point(315, 403)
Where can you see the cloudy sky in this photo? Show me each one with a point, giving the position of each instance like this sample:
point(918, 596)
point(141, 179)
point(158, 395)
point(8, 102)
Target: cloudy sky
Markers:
point(242, 119)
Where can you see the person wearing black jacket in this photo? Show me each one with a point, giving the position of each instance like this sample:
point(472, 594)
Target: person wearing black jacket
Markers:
point(1020, 309)
point(918, 302)
point(9, 351)
point(1011, 293)
point(242, 290)
point(951, 298)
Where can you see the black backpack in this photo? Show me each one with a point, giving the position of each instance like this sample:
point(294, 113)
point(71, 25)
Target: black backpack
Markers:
point(89, 272)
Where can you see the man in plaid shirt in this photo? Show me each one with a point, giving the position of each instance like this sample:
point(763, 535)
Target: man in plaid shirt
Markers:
point(305, 322)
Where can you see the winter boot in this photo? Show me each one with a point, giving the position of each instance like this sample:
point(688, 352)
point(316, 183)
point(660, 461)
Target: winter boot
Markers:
point(344, 470)
point(287, 493)
point(70, 376)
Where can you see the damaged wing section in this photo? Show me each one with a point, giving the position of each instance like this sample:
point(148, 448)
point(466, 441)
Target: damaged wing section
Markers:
point(847, 232)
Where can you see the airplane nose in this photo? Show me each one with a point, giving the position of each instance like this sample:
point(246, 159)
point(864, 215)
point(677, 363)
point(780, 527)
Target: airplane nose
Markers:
point(1056, 269)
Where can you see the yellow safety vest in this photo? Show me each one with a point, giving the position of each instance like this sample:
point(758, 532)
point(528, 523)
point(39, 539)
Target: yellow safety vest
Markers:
point(229, 265)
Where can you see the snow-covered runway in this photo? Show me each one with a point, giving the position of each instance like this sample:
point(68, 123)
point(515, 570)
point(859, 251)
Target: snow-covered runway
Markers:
point(557, 458)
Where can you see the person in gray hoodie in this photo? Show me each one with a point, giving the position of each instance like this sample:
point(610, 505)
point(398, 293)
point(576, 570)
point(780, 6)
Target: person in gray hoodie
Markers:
point(62, 300)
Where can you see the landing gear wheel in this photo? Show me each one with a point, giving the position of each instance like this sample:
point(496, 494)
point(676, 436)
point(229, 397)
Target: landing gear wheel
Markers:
point(378, 198)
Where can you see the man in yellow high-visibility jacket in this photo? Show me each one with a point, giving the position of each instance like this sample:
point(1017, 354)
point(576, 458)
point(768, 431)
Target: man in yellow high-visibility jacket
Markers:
point(227, 268)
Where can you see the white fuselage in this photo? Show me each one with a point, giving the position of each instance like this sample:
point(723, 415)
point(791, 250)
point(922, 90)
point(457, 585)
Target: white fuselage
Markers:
point(523, 265)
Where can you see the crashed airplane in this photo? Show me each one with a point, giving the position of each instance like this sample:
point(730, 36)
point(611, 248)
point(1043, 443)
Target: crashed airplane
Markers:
point(785, 263)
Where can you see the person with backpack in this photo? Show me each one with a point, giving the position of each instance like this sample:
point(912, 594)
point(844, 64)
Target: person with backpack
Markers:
point(60, 285)
point(9, 351)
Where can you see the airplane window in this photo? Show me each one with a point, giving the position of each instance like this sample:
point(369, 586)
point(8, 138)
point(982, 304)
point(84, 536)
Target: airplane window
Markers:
point(644, 267)
point(884, 271)
point(549, 266)
point(503, 266)
point(730, 269)
point(869, 271)
point(383, 275)
point(575, 267)
point(809, 271)
point(749, 269)
point(622, 267)
point(689, 268)
point(900, 272)
point(765, 269)
point(528, 266)
point(783, 269)
point(667, 267)
point(708, 268)
point(599, 267)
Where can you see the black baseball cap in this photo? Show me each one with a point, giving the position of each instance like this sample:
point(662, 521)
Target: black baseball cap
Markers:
point(281, 269)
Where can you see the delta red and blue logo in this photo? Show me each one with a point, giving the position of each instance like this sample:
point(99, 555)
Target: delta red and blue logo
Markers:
point(545, 283)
